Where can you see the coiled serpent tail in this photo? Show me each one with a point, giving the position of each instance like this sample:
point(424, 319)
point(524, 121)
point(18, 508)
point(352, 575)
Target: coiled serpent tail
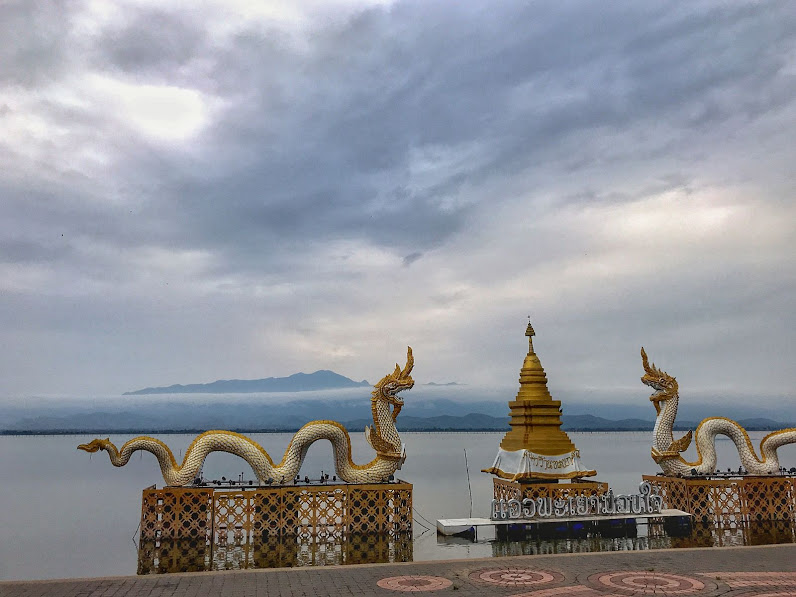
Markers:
point(666, 450)
point(379, 469)
point(383, 437)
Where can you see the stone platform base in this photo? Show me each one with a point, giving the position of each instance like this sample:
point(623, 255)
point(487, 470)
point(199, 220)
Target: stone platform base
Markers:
point(225, 515)
point(199, 523)
point(729, 501)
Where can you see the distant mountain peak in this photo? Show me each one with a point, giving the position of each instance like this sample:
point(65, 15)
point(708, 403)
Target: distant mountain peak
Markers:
point(322, 379)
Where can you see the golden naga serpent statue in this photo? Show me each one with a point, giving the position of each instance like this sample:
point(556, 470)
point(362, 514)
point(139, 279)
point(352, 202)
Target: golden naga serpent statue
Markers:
point(666, 451)
point(383, 437)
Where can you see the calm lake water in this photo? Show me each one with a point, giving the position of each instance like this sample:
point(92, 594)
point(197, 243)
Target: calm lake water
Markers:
point(65, 513)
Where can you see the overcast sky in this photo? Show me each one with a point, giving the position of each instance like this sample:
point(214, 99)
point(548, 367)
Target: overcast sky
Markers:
point(214, 190)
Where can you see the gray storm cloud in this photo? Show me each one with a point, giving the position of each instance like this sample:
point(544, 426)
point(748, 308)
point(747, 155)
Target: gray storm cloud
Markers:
point(218, 192)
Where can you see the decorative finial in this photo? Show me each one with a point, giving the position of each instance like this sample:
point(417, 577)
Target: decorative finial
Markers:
point(530, 333)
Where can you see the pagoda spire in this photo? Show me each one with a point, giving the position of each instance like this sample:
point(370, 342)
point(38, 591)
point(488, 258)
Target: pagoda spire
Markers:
point(535, 420)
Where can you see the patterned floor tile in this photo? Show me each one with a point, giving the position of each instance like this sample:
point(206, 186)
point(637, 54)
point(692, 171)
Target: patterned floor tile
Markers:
point(414, 583)
point(755, 579)
point(625, 582)
point(513, 577)
point(576, 591)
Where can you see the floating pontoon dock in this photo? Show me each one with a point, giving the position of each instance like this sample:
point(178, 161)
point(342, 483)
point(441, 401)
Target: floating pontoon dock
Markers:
point(455, 526)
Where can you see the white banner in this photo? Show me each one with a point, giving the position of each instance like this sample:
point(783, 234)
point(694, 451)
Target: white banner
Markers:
point(523, 463)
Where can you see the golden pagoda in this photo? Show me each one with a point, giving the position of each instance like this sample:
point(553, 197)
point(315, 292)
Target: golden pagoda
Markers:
point(536, 447)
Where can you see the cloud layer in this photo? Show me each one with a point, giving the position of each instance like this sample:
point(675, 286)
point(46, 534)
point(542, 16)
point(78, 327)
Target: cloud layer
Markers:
point(201, 192)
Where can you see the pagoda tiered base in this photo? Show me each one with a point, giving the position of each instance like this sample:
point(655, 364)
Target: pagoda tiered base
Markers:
point(507, 490)
point(729, 501)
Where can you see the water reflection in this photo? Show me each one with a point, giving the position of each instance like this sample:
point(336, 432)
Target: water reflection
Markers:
point(642, 537)
point(158, 556)
point(762, 532)
point(539, 546)
point(191, 555)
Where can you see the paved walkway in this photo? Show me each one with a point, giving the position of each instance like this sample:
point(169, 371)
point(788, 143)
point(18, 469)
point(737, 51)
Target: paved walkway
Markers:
point(735, 572)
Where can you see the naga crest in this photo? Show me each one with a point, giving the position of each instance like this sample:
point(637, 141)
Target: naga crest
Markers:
point(397, 381)
point(665, 385)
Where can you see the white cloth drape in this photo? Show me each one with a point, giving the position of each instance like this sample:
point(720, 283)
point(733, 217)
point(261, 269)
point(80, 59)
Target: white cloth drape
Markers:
point(524, 462)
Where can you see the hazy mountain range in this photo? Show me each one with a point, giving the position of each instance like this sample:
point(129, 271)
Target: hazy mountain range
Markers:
point(298, 382)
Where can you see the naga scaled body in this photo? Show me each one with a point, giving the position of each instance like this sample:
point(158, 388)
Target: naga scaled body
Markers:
point(666, 451)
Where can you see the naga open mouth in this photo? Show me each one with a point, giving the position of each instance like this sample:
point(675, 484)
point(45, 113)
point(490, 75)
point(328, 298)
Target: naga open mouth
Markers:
point(652, 384)
point(393, 394)
point(94, 445)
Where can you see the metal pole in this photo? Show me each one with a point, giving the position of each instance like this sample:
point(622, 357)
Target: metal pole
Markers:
point(466, 466)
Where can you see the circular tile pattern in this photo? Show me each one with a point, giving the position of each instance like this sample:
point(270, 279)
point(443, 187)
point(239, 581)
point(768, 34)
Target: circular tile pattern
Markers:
point(516, 577)
point(641, 583)
point(414, 583)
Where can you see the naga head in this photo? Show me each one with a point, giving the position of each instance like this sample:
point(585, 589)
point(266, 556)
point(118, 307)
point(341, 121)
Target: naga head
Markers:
point(665, 385)
point(397, 381)
point(96, 445)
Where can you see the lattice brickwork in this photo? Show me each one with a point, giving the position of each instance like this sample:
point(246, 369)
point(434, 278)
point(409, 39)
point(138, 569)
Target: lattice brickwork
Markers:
point(729, 502)
point(234, 516)
point(774, 499)
point(507, 490)
point(176, 512)
point(185, 529)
